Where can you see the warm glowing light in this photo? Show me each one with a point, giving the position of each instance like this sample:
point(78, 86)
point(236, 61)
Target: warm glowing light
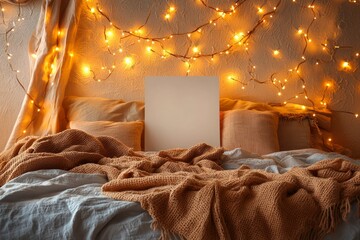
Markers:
point(329, 139)
point(260, 10)
point(86, 70)
point(231, 77)
point(300, 31)
point(346, 65)
point(109, 33)
point(303, 107)
point(222, 14)
point(357, 54)
point(34, 56)
point(172, 9)
point(71, 54)
point(196, 50)
point(129, 61)
point(167, 16)
point(24, 131)
point(149, 49)
point(139, 32)
point(238, 36)
point(92, 10)
point(276, 53)
point(356, 115)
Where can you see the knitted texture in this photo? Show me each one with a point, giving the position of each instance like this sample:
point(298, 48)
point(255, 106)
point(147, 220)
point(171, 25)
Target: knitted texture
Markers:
point(188, 193)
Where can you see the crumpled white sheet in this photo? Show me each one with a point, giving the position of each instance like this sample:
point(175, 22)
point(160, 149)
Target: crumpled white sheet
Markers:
point(56, 204)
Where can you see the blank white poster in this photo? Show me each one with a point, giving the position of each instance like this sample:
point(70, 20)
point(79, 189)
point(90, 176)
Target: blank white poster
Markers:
point(181, 112)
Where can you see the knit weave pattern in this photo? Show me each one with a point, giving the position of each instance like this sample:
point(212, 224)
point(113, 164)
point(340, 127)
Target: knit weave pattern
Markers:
point(187, 192)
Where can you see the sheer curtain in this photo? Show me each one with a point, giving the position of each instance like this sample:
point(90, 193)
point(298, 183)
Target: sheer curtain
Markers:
point(51, 56)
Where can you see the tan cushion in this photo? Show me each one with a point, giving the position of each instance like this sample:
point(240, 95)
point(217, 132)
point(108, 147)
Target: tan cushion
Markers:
point(251, 130)
point(128, 133)
point(102, 109)
point(294, 134)
point(227, 104)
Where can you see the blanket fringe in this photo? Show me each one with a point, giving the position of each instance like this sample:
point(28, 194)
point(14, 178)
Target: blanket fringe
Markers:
point(345, 208)
point(330, 217)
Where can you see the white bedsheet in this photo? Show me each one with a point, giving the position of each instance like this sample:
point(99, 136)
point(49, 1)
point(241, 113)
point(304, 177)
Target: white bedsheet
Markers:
point(56, 204)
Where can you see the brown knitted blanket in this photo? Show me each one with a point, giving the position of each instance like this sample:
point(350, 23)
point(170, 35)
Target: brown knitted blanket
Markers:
point(189, 194)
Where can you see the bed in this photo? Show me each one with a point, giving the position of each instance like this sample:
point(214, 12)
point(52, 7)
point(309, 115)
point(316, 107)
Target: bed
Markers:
point(80, 184)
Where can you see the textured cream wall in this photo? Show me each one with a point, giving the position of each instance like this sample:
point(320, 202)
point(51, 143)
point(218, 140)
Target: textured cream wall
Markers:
point(337, 21)
point(11, 94)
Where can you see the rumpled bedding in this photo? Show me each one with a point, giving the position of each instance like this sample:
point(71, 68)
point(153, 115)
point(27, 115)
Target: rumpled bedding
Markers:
point(53, 198)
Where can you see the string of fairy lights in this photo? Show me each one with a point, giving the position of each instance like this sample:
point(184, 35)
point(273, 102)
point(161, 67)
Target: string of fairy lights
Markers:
point(239, 40)
point(158, 46)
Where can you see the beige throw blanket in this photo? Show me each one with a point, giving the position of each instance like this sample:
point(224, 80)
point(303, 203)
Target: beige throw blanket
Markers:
point(189, 194)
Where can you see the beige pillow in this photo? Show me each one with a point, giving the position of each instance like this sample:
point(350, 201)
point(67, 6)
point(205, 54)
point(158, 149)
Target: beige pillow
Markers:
point(251, 130)
point(294, 133)
point(102, 109)
point(227, 104)
point(128, 133)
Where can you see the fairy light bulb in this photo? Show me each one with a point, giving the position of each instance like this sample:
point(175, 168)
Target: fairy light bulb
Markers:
point(196, 49)
point(238, 36)
point(129, 61)
point(346, 65)
point(109, 33)
point(260, 10)
point(276, 53)
point(172, 9)
point(86, 70)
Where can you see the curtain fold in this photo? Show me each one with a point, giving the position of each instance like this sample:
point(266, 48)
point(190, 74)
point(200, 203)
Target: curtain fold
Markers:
point(51, 56)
